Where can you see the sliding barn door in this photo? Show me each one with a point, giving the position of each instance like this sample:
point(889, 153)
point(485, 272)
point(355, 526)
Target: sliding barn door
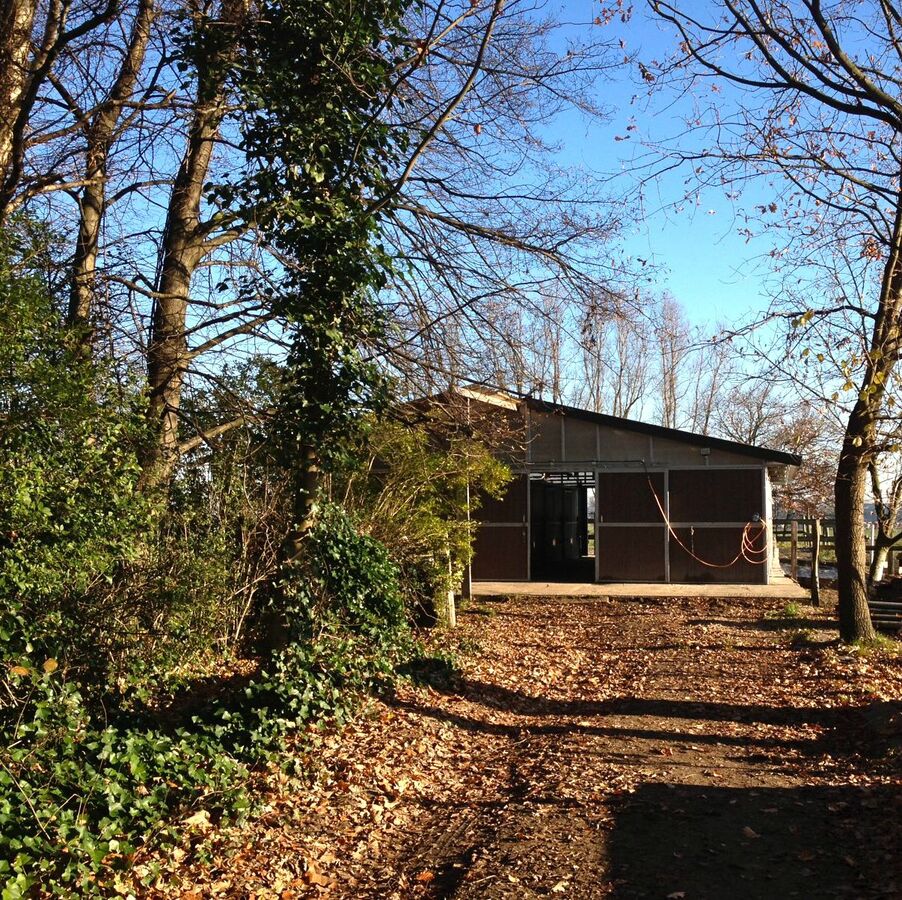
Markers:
point(710, 509)
point(501, 549)
point(630, 531)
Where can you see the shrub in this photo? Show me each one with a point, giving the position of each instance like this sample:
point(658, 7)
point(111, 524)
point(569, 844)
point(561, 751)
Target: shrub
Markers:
point(412, 496)
point(79, 792)
point(69, 511)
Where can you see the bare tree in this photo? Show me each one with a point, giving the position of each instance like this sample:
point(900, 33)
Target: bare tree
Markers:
point(672, 347)
point(187, 239)
point(615, 362)
point(100, 132)
point(487, 219)
point(752, 414)
point(124, 115)
point(16, 23)
point(819, 106)
point(29, 51)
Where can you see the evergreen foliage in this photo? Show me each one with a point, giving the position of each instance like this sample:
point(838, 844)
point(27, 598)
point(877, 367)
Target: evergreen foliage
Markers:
point(140, 683)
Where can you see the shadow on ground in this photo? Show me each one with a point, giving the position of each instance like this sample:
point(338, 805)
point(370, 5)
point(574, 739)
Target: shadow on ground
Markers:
point(774, 623)
point(709, 843)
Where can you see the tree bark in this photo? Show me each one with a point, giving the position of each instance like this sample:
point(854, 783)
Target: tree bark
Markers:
point(182, 250)
point(851, 556)
point(815, 562)
point(28, 79)
point(16, 23)
point(101, 133)
point(307, 483)
point(878, 563)
point(859, 449)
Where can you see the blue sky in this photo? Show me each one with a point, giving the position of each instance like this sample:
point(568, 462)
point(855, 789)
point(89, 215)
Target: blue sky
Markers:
point(701, 259)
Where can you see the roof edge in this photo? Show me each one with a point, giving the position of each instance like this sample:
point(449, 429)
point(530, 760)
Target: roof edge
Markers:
point(675, 434)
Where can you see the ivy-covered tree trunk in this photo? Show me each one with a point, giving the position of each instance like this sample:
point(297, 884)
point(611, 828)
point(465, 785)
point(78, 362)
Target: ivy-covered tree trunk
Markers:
point(306, 492)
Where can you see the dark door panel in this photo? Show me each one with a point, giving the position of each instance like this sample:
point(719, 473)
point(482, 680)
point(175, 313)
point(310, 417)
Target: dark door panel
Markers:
point(715, 495)
point(501, 553)
point(628, 497)
point(717, 546)
point(501, 548)
point(630, 553)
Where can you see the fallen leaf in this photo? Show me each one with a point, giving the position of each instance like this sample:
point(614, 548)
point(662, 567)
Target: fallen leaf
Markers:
point(201, 819)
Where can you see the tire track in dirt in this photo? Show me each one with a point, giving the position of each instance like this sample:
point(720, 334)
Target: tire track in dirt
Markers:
point(682, 748)
point(649, 756)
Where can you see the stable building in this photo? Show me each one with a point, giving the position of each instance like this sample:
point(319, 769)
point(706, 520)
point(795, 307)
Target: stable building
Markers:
point(605, 499)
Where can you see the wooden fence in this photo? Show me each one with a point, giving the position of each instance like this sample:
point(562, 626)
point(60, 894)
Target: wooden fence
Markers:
point(800, 535)
point(812, 537)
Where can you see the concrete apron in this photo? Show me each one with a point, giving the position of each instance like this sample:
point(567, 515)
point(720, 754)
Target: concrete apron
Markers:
point(780, 588)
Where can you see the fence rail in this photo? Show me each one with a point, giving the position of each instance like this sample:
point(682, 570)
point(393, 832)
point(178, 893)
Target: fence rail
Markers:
point(800, 535)
point(813, 536)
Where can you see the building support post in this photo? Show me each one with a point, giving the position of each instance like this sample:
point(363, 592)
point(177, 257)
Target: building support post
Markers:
point(794, 549)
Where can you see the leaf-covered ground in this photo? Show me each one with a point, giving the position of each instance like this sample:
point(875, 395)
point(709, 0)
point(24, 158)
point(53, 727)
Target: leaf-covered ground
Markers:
point(689, 748)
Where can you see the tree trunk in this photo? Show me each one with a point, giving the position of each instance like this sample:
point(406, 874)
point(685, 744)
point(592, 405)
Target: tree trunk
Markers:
point(851, 556)
point(22, 81)
point(183, 249)
point(16, 23)
point(92, 203)
point(274, 630)
point(860, 446)
point(878, 563)
point(815, 562)
point(307, 483)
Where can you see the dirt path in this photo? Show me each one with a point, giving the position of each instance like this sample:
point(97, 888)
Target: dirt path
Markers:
point(604, 748)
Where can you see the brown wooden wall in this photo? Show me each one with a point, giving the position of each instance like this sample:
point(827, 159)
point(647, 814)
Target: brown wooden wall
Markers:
point(631, 536)
point(631, 553)
point(627, 497)
point(501, 548)
point(511, 507)
point(713, 545)
point(501, 553)
point(695, 496)
point(715, 495)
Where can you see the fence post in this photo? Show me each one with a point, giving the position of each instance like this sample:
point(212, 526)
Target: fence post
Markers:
point(450, 609)
point(815, 562)
point(794, 549)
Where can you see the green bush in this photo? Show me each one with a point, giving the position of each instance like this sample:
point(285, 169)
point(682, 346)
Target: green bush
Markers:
point(349, 580)
point(78, 796)
point(79, 793)
point(69, 511)
point(412, 496)
point(115, 609)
